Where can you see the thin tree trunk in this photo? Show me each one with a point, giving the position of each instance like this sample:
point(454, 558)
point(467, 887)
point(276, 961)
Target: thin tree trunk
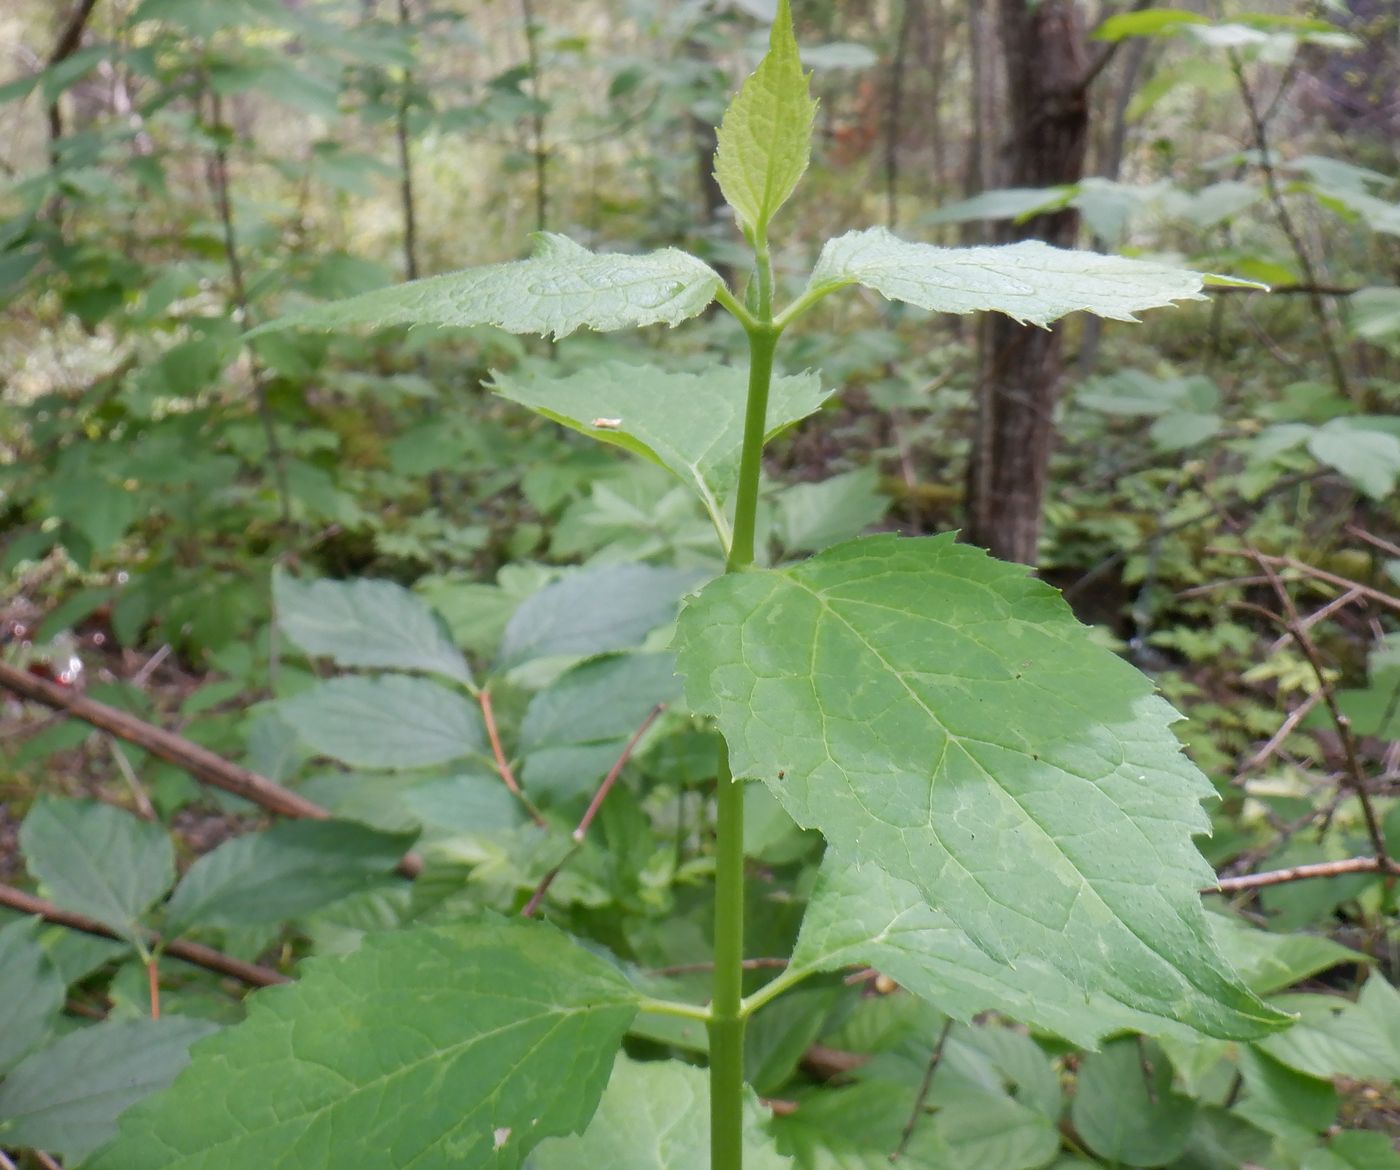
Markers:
point(1047, 73)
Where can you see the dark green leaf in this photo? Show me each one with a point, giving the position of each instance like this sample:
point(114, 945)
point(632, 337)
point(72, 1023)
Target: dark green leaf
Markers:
point(97, 860)
point(31, 991)
point(282, 873)
point(366, 623)
point(66, 1099)
point(388, 722)
point(463, 1045)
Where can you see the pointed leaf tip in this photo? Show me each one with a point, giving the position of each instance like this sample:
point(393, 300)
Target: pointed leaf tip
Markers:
point(765, 137)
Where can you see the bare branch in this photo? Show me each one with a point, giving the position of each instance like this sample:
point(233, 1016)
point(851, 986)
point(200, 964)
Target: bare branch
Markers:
point(252, 974)
point(1300, 873)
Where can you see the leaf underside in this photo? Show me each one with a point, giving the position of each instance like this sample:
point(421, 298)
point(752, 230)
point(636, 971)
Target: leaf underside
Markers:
point(561, 288)
point(448, 1046)
point(1029, 281)
point(942, 716)
point(691, 424)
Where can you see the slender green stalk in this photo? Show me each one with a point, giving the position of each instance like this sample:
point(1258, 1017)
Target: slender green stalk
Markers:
point(726, 1025)
point(763, 340)
point(727, 1015)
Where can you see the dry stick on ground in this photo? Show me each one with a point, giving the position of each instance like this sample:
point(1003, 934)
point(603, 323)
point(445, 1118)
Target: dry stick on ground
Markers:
point(488, 717)
point(592, 811)
point(252, 974)
point(199, 762)
point(1354, 776)
point(1308, 570)
point(921, 1098)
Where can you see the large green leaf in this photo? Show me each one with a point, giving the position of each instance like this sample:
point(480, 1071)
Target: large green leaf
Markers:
point(31, 991)
point(366, 623)
point(592, 611)
point(1125, 1107)
point(656, 1116)
point(457, 1046)
point(66, 1099)
point(765, 137)
point(1030, 281)
point(388, 722)
point(941, 715)
point(98, 860)
point(691, 424)
point(285, 872)
point(860, 914)
point(562, 287)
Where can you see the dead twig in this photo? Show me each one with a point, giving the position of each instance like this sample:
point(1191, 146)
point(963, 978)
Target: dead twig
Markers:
point(252, 974)
point(488, 717)
point(1300, 873)
point(204, 765)
point(921, 1098)
point(592, 811)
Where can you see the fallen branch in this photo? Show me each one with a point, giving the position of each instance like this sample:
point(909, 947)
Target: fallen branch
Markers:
point(252, 974)
point(1300, 873)
point(204, 765)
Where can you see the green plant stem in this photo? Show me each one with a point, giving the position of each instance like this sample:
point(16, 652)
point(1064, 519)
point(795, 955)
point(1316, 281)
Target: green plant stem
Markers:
point(671, 1007)
point(726, 1024)
point(727, 1016)
point(763, 340)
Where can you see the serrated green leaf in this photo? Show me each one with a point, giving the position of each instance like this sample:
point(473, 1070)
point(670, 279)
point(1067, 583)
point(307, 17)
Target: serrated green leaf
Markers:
point(1125, 1108)
point(656, 1116)
point(98, 860)
point(691, 424)
point(593, 611)
point(765, 137)
point(31, 991)
point(863, 915)
point(1368, 456)
point(282, 873)
point(66, 1099)
point(1354, 1150)
point(1270, 962)
point(942, 716)
point(561, 288)
point(366, 623)
point(1337, 1038)
point(810, 516)
point(1029, 281)
point(462, 1045)
point(388, 722)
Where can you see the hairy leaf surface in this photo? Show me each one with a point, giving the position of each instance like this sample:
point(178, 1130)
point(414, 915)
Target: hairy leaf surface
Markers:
point(1030, 281)
point(943, 716)
point(691, 424)
point(561, 288)
point(447, 1046)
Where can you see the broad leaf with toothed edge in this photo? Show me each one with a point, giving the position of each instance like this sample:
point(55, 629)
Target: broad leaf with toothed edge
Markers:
point(561, 288)
point(941, 715)
point(461, 1045)
point(1030, 281)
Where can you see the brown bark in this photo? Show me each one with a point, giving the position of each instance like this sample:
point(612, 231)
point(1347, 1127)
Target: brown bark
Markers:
point(1047, 70)
point(199, 762)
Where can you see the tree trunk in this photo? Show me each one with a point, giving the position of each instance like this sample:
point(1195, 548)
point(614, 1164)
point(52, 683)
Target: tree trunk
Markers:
point(1047, 74)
